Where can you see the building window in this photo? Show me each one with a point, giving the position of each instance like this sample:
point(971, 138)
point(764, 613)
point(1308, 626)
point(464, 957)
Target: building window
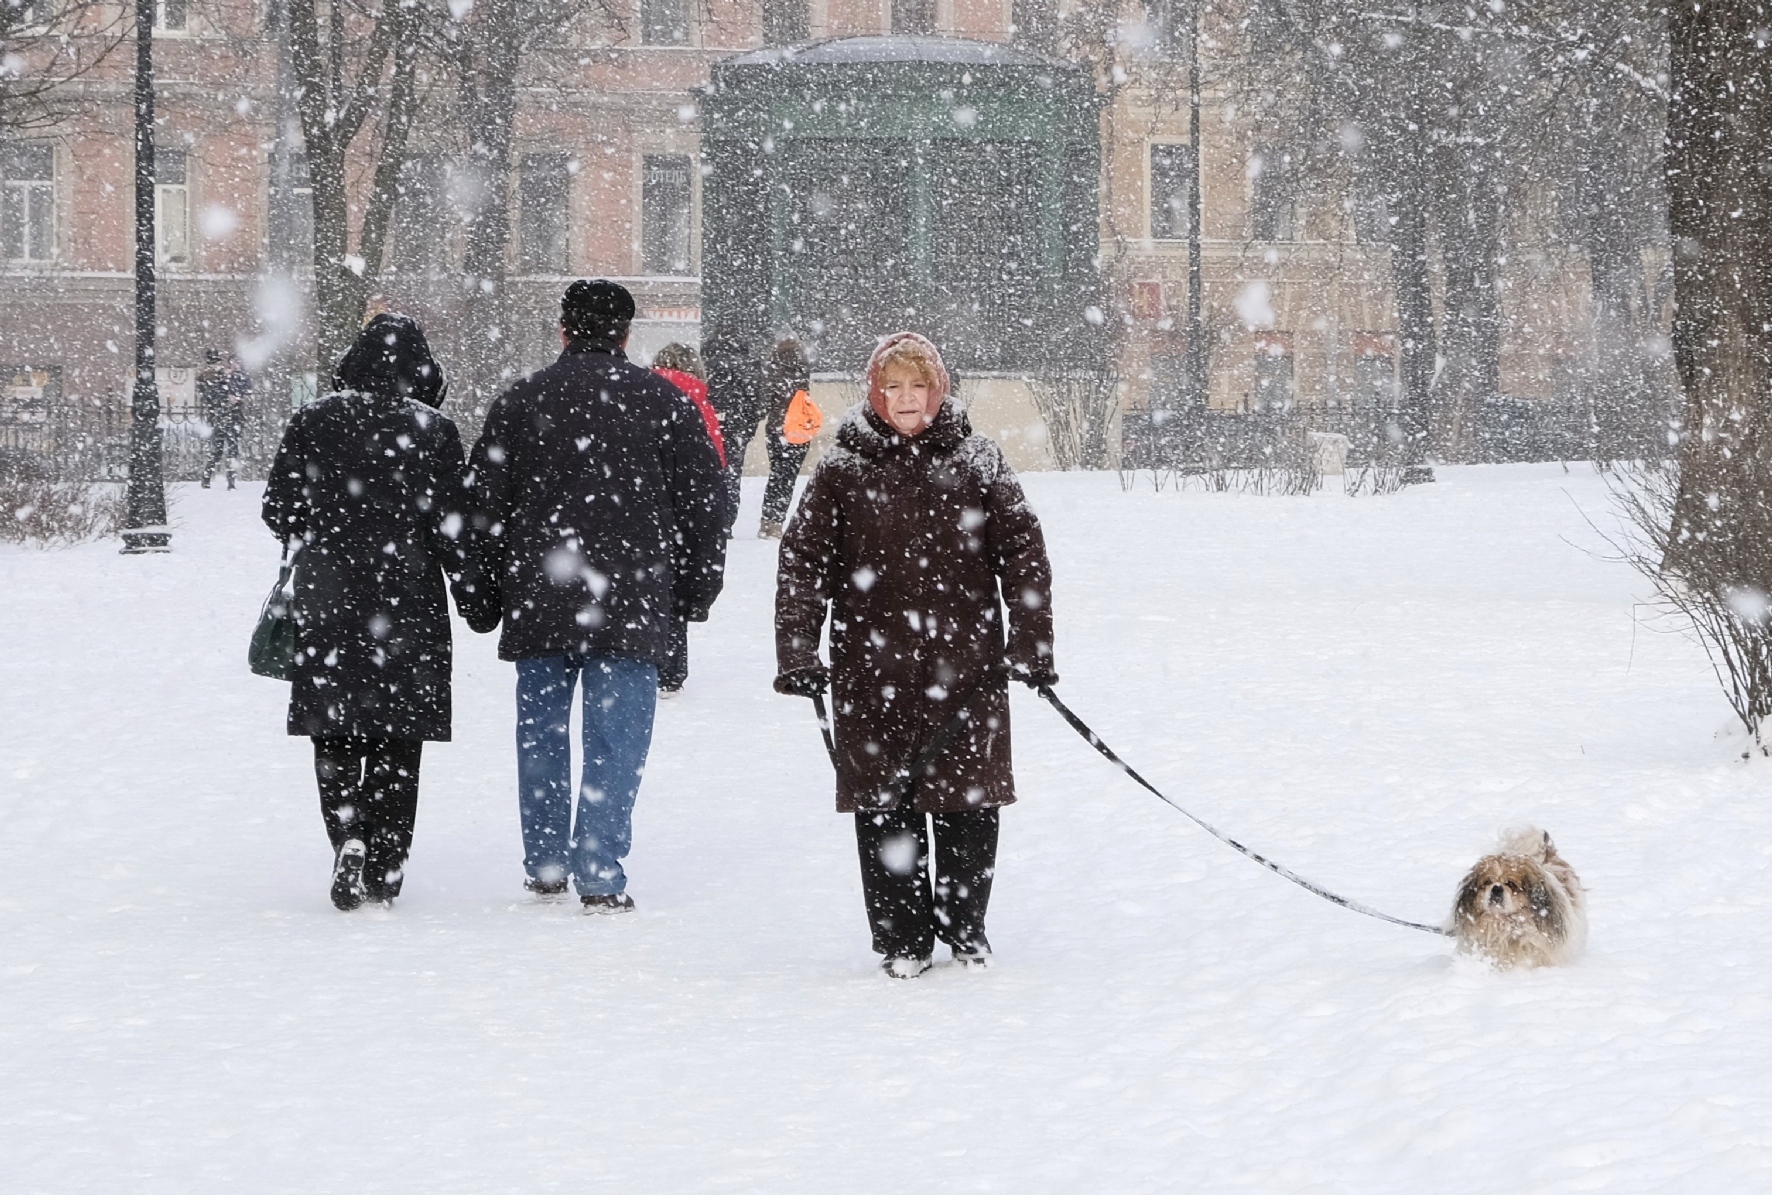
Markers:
point(544, 193)
point(421, 230)
point(1034, 24)
point(1372, 219)
point(293, 211)
point(1169, 25)
point(172, 208)
point(27, 206)
point(1273, 203)
point(1273, 373)
point(664, 22)
point(1375, 372)
point(786, 22)
point(1172, 172)
point(665, 211)
point(169, 16)
point(913, 16)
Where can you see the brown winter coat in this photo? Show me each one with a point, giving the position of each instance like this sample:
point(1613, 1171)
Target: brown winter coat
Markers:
point(908, 541)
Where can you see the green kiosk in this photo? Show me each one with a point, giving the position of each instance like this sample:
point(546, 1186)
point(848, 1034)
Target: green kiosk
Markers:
point(861, 185)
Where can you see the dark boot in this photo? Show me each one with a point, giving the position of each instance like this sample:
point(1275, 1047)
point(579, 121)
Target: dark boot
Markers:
point(348, 889)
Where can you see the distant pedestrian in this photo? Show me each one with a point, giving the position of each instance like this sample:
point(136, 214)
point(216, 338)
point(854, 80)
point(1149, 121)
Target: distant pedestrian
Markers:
point(598, 490)
point(786, 374)
point(222, 391)
point(682, 367)
point(734, 387)
point(909, 528)
point(369, 484)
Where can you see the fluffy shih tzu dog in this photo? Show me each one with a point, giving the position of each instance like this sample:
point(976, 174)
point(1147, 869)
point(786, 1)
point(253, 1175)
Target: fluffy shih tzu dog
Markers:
point(1523, 906)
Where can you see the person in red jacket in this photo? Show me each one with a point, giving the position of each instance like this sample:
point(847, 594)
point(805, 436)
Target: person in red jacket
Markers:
point(681, 366)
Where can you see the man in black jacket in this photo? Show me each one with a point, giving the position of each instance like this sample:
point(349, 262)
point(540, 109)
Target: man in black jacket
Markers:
point(733, 388)
point(599, 506)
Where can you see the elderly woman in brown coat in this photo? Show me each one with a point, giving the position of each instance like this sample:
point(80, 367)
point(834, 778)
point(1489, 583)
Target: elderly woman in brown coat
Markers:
point(911, 527)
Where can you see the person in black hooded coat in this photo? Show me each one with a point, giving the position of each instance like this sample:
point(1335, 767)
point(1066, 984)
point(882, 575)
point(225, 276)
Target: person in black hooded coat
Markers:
point(368, 486)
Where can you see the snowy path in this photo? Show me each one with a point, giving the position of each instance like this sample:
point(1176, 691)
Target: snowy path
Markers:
point(1367, 689)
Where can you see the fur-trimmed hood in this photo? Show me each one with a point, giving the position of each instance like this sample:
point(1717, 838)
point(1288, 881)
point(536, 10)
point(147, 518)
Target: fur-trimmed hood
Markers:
point(863, 431)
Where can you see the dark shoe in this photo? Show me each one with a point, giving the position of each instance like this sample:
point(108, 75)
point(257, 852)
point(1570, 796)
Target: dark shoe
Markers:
point(977, 956)
point(206, 483)
point(905, 968)
point(230, 482)
point(383, 890)
point(545, 889)
point(348, 890)
point(620, 902)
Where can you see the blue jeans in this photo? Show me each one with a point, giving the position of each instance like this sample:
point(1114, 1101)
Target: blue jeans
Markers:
point(620, 697)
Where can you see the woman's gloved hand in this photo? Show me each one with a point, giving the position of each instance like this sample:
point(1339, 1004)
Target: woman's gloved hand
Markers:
point(804, 682)
point(1037, 676)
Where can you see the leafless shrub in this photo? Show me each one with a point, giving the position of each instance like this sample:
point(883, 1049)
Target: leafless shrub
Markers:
point(1382, 468)
point(1732, 621)
point(36, 509)
point(1286, 464)
point(1077, 404)
point(1221, 452)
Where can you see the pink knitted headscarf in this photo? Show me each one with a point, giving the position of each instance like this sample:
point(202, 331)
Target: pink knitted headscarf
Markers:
point(929, 355)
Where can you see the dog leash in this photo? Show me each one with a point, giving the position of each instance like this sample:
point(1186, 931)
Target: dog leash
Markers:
point(1094, 740)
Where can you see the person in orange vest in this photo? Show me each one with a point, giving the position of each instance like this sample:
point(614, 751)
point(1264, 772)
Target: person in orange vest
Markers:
point(682, 367)
point(792, 421)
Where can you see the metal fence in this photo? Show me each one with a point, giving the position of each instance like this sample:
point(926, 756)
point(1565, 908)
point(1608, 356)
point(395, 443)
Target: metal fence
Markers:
point(71, 440)
point(1509, 430)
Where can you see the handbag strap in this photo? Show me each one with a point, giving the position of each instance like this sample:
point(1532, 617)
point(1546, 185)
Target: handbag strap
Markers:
point(286, 566)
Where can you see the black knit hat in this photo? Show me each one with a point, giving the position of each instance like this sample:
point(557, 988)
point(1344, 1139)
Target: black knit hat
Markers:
point(597, 309)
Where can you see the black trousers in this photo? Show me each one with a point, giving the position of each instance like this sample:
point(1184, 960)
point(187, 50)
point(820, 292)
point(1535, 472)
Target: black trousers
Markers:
point(369, 791)
point(738, 434)
point(784, 469)
point(674, 671)
point(908, 909)
point(224, 445)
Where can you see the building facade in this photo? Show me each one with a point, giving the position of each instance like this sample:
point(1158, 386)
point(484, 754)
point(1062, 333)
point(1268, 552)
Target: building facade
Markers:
point(607, 179)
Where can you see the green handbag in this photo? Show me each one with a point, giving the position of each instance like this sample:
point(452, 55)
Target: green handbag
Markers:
point(272, 652)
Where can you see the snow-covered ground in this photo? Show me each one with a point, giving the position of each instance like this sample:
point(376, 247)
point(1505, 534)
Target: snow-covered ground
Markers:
point(1368, 689)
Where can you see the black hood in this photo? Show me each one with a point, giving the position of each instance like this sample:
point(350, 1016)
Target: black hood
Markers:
point(391, 358)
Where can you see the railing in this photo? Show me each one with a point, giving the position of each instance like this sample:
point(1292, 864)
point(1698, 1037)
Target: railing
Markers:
point(1198, 440)
point(69, 440)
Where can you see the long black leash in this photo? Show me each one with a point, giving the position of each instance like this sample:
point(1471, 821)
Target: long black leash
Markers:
point(1094, 740)
point(906, 778)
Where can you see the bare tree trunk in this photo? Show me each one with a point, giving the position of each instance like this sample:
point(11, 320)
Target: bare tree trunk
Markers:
point(334, 110)
point(1470, 248)
point(1716, 545)
point(488, 60)
point(1720, 209)
point(1409, 201)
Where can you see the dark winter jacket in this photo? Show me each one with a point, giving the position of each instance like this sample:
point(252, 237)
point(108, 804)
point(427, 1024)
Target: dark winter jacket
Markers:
point(908, 542)
point(600, 498)
point(373, 485)
point(222, 392)
point(733, 381)
point(786, 372)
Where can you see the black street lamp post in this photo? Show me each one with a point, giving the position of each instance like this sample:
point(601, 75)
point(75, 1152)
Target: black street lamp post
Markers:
point(145, 507)
point(1195, 358)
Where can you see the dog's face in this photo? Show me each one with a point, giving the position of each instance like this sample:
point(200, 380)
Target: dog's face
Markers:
point(1522, 906)
point(1507, 909)
point(1505, 886)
